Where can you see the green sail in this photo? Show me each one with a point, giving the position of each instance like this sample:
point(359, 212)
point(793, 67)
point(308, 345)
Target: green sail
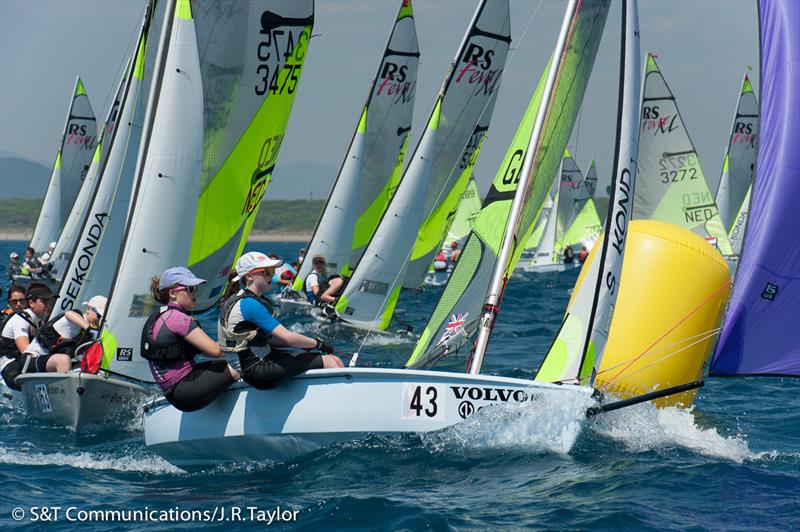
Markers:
point(671, 185)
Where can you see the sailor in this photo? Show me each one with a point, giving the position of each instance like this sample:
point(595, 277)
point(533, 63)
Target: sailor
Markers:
point(16, 300)
point(320, 288)
point(583, 255)
point(19, 329)
point(13, 267)
point(284, 274)
point(440, 262)
point(31, 266)
point(455, 253)
point(171, 338)
point(568, 255)
point(57, 340)
point(46, 259)
point(263, 364)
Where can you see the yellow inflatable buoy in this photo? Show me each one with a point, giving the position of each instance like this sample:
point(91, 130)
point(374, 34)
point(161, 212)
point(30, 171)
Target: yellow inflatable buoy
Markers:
point(672, 297)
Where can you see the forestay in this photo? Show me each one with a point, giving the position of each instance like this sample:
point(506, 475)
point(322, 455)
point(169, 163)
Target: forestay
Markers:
point(73, 159)
point(577, 350)
point(672, 187)
point(467, 93)
point(362, 188)
point(740, 157)
point(759, 336)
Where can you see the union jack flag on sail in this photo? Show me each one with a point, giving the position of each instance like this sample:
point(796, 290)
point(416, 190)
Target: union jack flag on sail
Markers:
point(454, 325)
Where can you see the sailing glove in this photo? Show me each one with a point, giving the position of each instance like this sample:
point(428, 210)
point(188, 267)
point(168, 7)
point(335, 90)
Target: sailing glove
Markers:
point(322, 346)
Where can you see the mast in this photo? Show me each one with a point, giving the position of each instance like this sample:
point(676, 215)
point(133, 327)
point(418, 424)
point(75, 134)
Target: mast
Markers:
point(499, 276)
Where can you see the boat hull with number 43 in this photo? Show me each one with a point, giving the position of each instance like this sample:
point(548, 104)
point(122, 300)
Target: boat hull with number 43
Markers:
point(321, 407)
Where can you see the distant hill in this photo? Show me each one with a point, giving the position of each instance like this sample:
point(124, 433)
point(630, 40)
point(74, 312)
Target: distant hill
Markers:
point(22, 179)
point(291, 216)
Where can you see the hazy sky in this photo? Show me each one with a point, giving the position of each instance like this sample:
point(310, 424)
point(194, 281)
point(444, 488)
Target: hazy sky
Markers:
point(703, 48)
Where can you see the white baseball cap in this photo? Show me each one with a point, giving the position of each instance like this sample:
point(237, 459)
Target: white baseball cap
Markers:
point(98, 303)
point(253, 261)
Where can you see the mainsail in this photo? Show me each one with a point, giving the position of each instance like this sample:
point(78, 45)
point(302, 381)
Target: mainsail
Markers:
point(577, 350)
point(468, 209)
point(740, 156)
point(78, 215)
point(360, 192)
point(216, 70)
point(590, 181)
point(585, 229)
point(462, 106)
point(91, 265)
point(251, 59)
point(759, 336)
point(73, 159)
point(470, 283)
point(672, 187)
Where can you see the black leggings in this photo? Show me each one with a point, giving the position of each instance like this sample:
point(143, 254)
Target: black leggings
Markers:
point(197, 389)
point(265, 373)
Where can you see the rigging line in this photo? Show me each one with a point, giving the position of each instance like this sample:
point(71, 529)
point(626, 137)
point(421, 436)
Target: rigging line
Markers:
point(669, 355)
point(704, 334)
point(724, 285)
point(511, 55)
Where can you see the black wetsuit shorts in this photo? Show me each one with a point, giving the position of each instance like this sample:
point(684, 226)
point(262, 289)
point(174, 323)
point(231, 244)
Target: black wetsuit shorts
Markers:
point(266, 373)
point(201, 386)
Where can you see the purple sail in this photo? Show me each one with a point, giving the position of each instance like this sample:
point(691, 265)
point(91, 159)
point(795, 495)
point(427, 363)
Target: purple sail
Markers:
point(761, 334)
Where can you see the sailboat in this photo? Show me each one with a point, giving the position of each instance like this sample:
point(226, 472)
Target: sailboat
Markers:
point(320, 407)
point(73, 159)
point(209, 105)
point(65, 245)
point(590, 181)
point(371, 167)
point(443, 158)
point(570, 198)
point(733, 193)
point(468, 209)
point(672, 187)
point(759, 333)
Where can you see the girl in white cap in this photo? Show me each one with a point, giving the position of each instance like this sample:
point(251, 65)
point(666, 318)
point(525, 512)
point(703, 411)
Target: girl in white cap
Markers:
point(263, 363)
point(171, 338)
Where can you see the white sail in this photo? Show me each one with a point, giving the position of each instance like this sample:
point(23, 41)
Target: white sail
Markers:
point(577, 350)
point(92, 263)
point(361, 190)
point(170, 161)
point(77, 216)
point(740, 157)
point(73, 159)
point(672, 187)
point(466, 98)
point(736, 236)
point(590, 180)
point(546, 250)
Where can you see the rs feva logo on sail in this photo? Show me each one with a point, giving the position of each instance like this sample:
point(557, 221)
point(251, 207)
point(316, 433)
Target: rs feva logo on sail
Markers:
point(258, 183)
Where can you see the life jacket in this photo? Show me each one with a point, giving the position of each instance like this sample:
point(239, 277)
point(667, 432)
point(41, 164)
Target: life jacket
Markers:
point(177, 349)
point(233, 337)
point(8, 346)
point(321, 281)
point(52, 340)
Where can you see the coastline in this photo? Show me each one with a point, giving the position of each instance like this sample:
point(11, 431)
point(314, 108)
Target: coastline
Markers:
point(266, 236)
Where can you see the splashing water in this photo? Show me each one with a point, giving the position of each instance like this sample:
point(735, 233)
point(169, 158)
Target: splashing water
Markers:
point(644, 428)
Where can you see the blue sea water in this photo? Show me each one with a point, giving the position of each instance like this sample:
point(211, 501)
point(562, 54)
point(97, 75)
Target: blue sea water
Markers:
point(730, 463)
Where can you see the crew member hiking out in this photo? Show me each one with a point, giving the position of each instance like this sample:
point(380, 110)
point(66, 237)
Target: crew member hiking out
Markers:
point(171, 338)
point(246, 322)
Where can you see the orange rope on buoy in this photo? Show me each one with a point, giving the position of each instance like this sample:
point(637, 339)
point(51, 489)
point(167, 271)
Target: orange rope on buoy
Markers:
point(651, 346)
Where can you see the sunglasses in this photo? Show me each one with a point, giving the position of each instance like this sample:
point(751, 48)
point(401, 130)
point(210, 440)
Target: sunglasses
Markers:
point(191, 290)
point(16, 301)
point(266, 271)
point(94, 309)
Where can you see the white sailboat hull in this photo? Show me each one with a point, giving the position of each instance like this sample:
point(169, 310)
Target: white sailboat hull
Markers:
point(548, 267)
point(76, 400)
point(438, 278)
point(321, 407)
